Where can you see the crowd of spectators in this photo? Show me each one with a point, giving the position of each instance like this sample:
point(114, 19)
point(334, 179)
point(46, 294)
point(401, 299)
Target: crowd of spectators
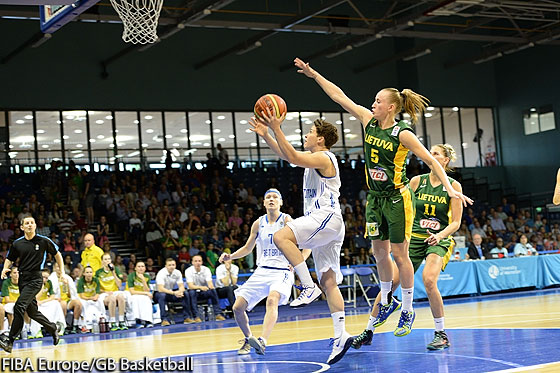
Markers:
point(180, 213)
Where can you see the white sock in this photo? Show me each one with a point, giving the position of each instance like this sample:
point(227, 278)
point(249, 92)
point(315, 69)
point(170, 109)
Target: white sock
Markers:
point(407, 295)
point(112, 319)
point(76, 322)
point(370, 323)
point(121, 318)
point(385, 290)
point(440, 324)
point(339, 323)
point(304, 275)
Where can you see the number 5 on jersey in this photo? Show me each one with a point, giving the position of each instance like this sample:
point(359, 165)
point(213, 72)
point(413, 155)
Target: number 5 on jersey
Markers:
point(374, 155)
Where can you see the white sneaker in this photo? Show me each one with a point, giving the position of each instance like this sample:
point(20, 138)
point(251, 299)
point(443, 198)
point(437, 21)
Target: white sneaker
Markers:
point(340, 346)
point(307, 295)
point(257, 344)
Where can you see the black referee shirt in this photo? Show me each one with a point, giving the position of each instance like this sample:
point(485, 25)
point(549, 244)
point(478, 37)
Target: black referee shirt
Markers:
point(32, 253)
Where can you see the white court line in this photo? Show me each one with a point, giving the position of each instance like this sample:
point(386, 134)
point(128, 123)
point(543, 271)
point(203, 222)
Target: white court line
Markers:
point(527, 368)
point(323, 366)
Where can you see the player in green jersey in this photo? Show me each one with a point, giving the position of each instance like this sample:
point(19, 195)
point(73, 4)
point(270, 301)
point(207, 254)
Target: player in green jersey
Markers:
point(437, 217)
point(390, 205)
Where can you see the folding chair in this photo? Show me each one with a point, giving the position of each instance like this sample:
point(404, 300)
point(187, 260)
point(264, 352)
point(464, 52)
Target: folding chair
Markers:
point(366, 280)
point(349, 284)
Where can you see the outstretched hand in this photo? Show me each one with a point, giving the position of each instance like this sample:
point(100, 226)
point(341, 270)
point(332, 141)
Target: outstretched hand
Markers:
point(304, 68)
point(224, 257)
point(464, 199)
point(269, 119)
point(5, 273)
point(258, 126)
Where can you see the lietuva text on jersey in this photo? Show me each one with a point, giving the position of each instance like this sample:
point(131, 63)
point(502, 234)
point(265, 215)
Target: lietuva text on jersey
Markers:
point(431, 198)
point(380, 143)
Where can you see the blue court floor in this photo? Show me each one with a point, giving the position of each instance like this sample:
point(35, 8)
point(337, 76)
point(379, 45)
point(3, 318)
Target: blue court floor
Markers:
point(473, 350)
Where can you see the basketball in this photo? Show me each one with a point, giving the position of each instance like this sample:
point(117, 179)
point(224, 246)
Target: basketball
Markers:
point(273, 102)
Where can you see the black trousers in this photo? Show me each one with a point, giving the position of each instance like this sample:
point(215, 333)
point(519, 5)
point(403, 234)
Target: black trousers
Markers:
point(227, 292)
point(29, 285)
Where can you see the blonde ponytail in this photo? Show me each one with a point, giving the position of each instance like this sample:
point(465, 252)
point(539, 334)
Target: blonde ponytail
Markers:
point(408, 101)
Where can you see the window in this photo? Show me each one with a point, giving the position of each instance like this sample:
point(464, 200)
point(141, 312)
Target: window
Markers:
point(538, 120)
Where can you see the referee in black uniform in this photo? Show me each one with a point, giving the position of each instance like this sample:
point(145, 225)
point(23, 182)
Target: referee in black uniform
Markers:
point(31, 249)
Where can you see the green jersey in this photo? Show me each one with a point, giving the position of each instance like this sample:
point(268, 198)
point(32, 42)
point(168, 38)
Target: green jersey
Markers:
point(385, 156)
point(433, 208)
point(10, 290)
point(88, 289)
point(133, 282)
point(107, 279)
point(46, 291)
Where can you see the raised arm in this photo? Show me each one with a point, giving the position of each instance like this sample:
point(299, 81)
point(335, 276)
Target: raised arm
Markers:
point(556, 198)
point(262, 130)
point(334, 92)
point(409, 140)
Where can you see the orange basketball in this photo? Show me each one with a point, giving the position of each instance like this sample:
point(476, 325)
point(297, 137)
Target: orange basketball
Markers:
point(273, 102)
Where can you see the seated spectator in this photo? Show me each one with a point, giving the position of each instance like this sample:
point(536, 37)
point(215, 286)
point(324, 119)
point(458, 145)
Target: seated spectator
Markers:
point(523, 248)
point(226, 281)
point(66, 293)
point(68, 264)
point(151, 268)
point(169, 244)
point(183, 258)
point(6, 233)
point(48, 306)
point(364, 257)
point(66, 225)
point(119, 264)
point(102, 231)
point(110, 282)
point(140, 296)
point(201, 286)
point(497, 223)
point(477, 250)
point(41, 228)
point(478, 230)
point(499, 250)
point(153, 242)
point(88, 293)
point(170, 288)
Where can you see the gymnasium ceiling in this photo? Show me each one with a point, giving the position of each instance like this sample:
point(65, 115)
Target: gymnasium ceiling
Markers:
point(500, 27)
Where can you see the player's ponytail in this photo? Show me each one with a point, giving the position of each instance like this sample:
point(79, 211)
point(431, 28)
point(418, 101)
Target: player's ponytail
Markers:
point(408, 101)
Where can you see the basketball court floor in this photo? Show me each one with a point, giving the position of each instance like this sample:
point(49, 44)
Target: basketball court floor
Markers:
point(516, 332)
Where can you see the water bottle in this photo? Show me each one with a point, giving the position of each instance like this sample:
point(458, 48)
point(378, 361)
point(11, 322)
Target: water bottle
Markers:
point(95, 327)
point(211, 316)
point(24, 333)
point(201, 313)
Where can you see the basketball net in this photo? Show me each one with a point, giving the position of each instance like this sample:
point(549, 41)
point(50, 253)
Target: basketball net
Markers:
point(140, 19)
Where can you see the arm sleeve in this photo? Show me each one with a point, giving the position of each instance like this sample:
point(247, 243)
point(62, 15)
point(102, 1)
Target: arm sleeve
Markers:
point(81, 285)
point(208, 276)
point(52, 248)
point(5, 290)
point(159, 279)
point(188, 276)
point(130, 280)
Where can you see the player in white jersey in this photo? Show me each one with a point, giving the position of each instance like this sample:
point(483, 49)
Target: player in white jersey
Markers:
point(322, 227)
point(273, 278)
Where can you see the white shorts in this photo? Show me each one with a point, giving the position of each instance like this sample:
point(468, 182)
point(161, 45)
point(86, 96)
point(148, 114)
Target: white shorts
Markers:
point(262, 282)
point(9, 308)
point(125, 294)
point(323, 233)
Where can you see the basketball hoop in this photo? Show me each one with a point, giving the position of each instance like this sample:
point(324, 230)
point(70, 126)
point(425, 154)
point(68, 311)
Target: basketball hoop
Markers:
point(140, 19)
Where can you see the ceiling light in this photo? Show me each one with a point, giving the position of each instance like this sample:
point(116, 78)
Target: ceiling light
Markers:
point(28, 117)
point(428, 115)
point(44, 146)
point(40, 131)
point(175, 144)
point(231, 136)
point(99, 121)
point(221, 117)
point(20, 121)
point(100, 137)
point(206, 144)
point(338, 122)
point(208, 121)
point(243, 121)
point(168, 136)
point(144, 145)
point(217, 130)
point(148, 117)
point(77, 131)
point(253, 144)
point(79, 146)
point(56, 141)
point(297, 131)
point(109, 117)
point(65, 137)
point(149, 130)
point(221, 139)
point(184, 130)
point(431, 108)
point(347, 130)
point(352, 117)
point(455, 108)
point(248, 130)
point(91, 140)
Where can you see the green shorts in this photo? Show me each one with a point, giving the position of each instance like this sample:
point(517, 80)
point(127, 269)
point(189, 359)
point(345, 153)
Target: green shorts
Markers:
point(389, 216)
point(419, 250)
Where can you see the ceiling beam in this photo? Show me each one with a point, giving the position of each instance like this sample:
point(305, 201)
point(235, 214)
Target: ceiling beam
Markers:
point(377, 32)
point(256, 41)
point(198, 11)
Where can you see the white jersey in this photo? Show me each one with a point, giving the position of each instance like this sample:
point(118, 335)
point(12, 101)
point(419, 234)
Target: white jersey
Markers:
point(320, 192)
point(268, 255)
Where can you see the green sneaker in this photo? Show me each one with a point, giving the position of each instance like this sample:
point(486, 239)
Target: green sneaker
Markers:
point(122, 326)
point(386, 311)
point(440, 342)
point(363, 339)
point(114, 326)
point(39, 334)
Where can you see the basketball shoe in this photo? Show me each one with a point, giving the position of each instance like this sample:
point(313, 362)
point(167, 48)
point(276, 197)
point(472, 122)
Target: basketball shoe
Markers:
point(385, 311)
point(405, 323)
point(307, 295)
point(340, 346)
point(440, 342)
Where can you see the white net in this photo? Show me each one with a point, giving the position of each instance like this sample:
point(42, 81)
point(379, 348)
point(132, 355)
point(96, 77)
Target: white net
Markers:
point(140, 19)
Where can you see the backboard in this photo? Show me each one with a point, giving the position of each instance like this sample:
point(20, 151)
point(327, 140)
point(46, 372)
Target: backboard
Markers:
point(53, 17)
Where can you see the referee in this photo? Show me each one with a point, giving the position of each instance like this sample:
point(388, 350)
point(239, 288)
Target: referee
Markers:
point(31, 249)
